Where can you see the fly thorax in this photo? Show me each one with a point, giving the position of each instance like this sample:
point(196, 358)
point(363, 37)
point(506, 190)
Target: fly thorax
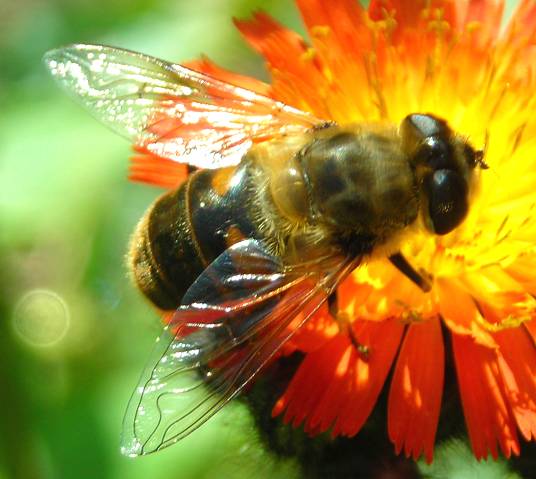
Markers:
point(289, 192)
point(360, 183)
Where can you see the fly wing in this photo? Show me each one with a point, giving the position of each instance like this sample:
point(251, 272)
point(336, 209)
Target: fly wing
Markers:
point(234, 318)
point(170, 110)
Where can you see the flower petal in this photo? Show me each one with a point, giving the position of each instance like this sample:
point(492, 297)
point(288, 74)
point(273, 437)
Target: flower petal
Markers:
point(295, 70)
point(523, 22)
point(344, 44)
point(314, 333)
point(208, 67)
point(517, 363)
point(277, 44)
point(345, 20)
point(460, 313)
point(522, 271)
point(309, 382)
point(146, 167)
point(336, 385)
point(483, 18)
point(366, 377)
point(531, 329)
point(416, 388)
point(485, 406)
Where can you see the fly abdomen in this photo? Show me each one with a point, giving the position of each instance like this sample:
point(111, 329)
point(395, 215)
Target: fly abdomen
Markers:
point(188, 228)
point(164, 257)
point(220, 204)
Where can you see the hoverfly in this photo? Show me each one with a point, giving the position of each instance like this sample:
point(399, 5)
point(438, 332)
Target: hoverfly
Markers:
point(281, 207)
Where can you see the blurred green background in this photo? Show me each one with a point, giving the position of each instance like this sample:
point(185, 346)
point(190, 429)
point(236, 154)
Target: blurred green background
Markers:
point(74, 333)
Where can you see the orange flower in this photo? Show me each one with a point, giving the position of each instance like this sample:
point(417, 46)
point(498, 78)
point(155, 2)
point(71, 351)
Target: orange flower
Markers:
point(450, 58)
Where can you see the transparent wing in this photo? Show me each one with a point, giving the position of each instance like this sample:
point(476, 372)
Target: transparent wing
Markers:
point(168, 109)
point(235, 316)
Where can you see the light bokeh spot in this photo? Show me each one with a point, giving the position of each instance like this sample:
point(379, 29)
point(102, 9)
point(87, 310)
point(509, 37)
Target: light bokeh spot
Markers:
point(41, 318)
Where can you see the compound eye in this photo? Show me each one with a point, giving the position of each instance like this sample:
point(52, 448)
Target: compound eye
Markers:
point(447, 200)
point(436, 153)
point(424, 126)
point(416, 128)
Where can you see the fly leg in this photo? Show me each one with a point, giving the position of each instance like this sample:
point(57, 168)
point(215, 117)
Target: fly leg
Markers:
point(420, 278)
point(346, 325)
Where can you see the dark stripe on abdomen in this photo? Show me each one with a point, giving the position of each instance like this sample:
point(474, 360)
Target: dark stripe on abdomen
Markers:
point(219, 212)
point(172, 245)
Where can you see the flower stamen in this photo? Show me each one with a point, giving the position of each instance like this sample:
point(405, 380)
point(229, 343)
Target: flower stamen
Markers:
point(508, 322)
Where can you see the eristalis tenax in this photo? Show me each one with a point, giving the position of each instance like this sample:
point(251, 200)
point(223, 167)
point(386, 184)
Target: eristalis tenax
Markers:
point(281, 206)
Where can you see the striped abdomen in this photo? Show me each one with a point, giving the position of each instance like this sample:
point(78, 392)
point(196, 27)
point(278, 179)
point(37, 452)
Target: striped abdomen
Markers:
point(187, 228)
